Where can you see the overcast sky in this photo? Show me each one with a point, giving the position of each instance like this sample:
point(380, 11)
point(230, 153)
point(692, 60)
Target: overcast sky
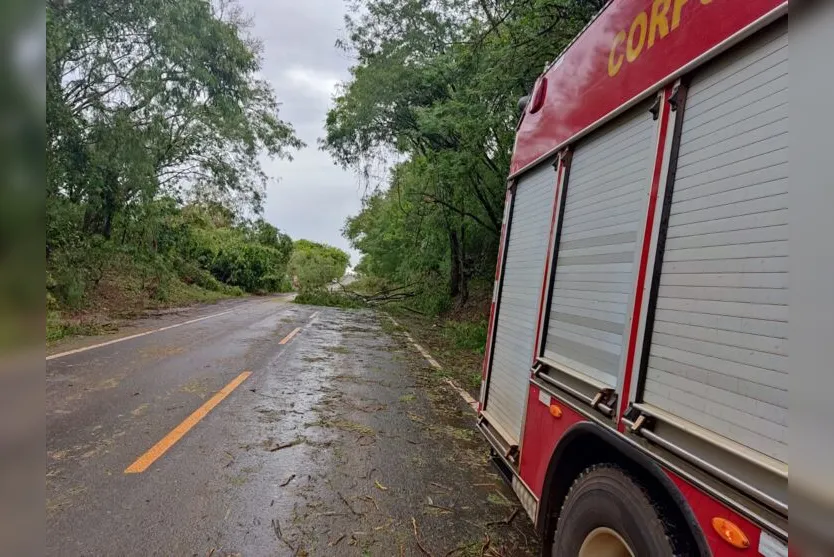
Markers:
point(312, 196)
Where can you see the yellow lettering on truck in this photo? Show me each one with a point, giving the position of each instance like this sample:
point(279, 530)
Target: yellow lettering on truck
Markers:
point(614, 67)
point(676, 13)
point(633, 50)
point(659, 24)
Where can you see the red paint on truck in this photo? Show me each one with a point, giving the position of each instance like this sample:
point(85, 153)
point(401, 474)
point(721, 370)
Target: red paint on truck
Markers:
point(632, 47)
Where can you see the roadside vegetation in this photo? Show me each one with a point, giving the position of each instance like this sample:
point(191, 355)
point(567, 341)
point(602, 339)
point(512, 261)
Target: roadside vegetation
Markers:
point(157, 122)
point(315, 268)
point(434, 97)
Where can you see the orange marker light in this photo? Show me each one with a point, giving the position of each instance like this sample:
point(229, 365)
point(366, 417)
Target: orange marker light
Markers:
point(730, 533)
point(555, 411)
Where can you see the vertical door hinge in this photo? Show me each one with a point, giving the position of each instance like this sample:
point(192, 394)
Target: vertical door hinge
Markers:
point(655, 109)
point(675, 97)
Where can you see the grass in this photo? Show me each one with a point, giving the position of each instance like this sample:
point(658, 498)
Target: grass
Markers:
point(497, 499)
point(466, 335)
point(59, 327)
point(121, 294)
point(389, 328)
point(457, 344)
point(346, 425)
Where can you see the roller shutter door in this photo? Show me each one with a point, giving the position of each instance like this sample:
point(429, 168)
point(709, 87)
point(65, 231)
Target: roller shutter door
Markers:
point(607, 194)
point(718, 354)
point(518, 308)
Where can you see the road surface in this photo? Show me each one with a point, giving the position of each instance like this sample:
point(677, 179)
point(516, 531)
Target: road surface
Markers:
point(262, 427)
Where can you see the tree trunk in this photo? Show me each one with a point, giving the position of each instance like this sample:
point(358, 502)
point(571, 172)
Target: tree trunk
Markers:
point(456, 270)
point(463, 288)
point(459, 283)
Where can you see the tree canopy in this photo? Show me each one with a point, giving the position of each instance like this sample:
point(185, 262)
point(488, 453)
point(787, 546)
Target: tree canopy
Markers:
point(314, 265)
point(435, 92)
point(157, 123)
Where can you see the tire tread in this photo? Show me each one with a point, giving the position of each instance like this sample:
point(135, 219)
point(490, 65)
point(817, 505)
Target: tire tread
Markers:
point(659, 524)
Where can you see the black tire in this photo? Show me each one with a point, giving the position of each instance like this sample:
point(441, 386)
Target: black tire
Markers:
point(604, 496)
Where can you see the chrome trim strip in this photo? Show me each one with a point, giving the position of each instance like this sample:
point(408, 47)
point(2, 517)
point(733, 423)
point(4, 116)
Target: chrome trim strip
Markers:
point(595, 383)
point(739, 484)
point(692, 429)
point(712, 492)
point(600, 406)
point(499, 429)
point(573, 406)
point(497, 443)
point(570, 390)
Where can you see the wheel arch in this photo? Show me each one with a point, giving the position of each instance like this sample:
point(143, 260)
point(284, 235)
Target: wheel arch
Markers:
point(585, 444)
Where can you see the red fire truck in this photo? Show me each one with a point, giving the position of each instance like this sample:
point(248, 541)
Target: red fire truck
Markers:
point(635, 379)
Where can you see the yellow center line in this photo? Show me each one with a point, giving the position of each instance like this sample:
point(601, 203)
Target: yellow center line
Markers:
point(143, 462)
point(288, 338)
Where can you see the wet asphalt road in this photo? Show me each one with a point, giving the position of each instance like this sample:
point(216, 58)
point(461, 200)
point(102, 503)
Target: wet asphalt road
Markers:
point(342, 441)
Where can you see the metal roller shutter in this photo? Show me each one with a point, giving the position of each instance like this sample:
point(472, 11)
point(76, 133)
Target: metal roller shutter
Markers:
point(515, 329)
point(606, 202)
point(718, 354)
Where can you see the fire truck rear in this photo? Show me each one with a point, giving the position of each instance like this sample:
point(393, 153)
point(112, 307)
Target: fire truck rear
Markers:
point(636, 379)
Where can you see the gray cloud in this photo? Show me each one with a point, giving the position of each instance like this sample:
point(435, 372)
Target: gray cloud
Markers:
point(312, 197)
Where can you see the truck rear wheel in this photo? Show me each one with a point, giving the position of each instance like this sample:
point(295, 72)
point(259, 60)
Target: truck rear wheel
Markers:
point(607, 513)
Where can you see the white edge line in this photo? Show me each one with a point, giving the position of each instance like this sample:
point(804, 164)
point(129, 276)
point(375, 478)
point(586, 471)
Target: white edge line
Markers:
point(467, 398)
point(130, 337)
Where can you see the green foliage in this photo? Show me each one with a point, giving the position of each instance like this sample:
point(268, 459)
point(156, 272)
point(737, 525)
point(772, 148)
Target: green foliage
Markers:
point(161, 253)
point(326, 298)
point(438, 83)
point(466, 335)
point(156, 122)
point(315, 265)
point(155, 96)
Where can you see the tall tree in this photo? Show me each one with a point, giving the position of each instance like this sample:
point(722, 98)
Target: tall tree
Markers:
point(437, 83)
point(151, 96)
point(157, 120)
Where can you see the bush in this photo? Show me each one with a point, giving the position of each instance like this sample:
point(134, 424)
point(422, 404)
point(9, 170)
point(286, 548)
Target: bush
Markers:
point(276, 283)
point(467, 335)
point(157, 254)
point(316, 265)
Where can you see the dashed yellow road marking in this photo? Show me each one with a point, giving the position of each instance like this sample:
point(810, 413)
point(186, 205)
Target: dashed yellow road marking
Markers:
point(143, 462)
point(288, 338)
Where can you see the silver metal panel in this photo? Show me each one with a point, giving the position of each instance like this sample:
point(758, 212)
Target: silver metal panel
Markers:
point(606, 202)
point(719, 351)
point(518, 306)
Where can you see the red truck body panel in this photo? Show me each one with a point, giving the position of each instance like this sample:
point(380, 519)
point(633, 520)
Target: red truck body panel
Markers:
point(660, 37)
point(633, 49)
point(542, 433)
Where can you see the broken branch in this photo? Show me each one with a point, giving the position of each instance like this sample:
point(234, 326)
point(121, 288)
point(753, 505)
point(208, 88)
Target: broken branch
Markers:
point(507, 520)
point(345, 501)
point(417, 538)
